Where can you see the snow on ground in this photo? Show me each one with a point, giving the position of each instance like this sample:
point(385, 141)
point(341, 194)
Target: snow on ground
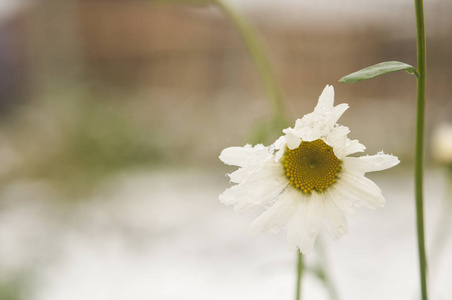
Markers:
point(164, 235)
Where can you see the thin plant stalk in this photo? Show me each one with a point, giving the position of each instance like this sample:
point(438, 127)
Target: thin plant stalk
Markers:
point(299, 274)
point(419, 147)
point(254, 46)
point(249, 36)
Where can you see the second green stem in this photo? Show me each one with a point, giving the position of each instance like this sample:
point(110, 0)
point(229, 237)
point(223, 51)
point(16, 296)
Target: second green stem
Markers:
point(299, 274)
point(419, 148)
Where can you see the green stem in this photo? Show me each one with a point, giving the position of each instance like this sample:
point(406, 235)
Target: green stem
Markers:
point(255, 49)
point(418, 168)
point(299, 274)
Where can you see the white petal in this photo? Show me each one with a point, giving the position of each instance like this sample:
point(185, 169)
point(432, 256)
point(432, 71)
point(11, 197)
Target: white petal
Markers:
point(353, 146)
point(336, 113)
point(335, 222)
point(233, 156)
point(370, 163)
point(278, 214)
point(280, 143)
point(280, 146)
point(338, 140)
point(326, 99)
point(361, 189)
point(306, 223)
point(345, 203)
point(250, 159)
point(238, 156)
point(292, 138)
point(279, 154)
point(260, 188)
point(239, 176)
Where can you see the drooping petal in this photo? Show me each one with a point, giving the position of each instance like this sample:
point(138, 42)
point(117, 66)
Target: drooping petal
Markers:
point(306, 223)
point(260, 188)
point(334, 220)
point(278, 214)
point(370, 163)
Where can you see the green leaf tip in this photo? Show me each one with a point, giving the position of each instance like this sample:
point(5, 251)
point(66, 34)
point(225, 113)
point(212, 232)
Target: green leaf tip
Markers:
point(378, 70)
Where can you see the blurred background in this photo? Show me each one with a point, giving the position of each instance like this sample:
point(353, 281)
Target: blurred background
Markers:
point(112, 117)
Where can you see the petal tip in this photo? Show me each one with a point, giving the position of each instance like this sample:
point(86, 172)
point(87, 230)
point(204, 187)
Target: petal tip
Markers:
point(326, 99)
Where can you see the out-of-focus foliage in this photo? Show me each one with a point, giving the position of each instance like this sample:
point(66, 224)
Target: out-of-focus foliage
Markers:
point(16, 288)
point(266, 132)
point(74, 142)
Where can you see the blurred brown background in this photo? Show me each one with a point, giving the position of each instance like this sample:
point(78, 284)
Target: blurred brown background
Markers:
point(187, 67)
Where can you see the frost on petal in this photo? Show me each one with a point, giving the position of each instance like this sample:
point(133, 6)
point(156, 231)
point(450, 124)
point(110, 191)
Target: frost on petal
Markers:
point(292, 138)
point(279, 148)
point(338, 140)
point(306, 223)
point(326, 99)
point(280, 143)
point(312, 126)
point(308, 127)
point(321, 122)
point(260, 188)
point(250, 159)
point(334, 220)
point(239, 176)
point(278, 214)
point(370, 163)
point(360, 189)
point(279, 154)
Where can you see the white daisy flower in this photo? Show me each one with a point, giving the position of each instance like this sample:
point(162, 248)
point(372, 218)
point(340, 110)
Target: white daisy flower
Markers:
point(442, 144)
point(306, 179)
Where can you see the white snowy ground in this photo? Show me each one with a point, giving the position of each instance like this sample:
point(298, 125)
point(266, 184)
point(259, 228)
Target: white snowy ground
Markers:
point(164, 235)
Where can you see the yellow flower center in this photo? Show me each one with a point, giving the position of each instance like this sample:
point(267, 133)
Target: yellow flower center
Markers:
point(311, 166)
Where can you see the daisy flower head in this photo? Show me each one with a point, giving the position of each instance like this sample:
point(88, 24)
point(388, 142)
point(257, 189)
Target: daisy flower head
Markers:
point(306, 180)
point(442, 144)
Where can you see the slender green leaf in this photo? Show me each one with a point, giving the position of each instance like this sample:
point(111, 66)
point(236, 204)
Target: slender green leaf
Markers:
point(378, 70)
